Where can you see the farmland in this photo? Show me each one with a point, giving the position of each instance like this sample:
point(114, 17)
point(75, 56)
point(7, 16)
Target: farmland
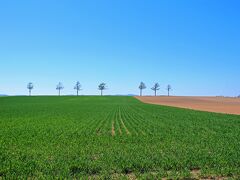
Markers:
point(114, 137)
point(227, 105)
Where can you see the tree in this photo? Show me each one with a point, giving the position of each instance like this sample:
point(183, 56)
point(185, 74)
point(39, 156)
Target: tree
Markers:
point(155, 88)
point(141, 87)
point(59, 88)
point(30, 88)
point(102, 87)
point(77, 87)
point(169, 88)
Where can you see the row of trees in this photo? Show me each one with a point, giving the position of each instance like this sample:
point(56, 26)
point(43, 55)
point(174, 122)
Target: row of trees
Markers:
point(59, 87)
point(101, 87)
point(155, 88)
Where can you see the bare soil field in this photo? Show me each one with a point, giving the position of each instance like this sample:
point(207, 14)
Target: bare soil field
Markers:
point(211, 104)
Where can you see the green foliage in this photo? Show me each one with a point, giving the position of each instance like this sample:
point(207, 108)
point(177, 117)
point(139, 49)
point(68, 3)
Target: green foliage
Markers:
point(114, 137)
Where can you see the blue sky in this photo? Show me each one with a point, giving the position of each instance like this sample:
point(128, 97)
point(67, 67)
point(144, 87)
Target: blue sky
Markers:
point(194, 45)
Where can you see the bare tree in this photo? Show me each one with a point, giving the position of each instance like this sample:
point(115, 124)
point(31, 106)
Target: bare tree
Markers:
point(59, 88)
point(155, 88)
point(169, 88)
point(102, 87)
point(77, 87)
point(141, 87)
point(30, 88)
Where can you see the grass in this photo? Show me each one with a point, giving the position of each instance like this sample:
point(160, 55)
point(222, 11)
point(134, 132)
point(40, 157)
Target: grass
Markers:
point(114, 137)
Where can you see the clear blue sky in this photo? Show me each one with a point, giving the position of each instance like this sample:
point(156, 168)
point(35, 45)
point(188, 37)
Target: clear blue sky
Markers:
point(194, 45)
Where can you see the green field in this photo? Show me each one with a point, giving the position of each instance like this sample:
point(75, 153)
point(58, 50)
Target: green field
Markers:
point(114, 137)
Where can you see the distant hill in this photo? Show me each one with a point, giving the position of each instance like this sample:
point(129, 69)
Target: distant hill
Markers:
point(3, 95)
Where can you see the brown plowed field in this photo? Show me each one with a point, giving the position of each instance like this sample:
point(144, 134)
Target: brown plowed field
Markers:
point(211, 104)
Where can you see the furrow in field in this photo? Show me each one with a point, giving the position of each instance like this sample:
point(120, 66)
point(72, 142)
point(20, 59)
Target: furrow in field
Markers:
point(122, 123)
point(101, 122)
point(136, 123)
point(149, 112)
point(118, 127)
point(131, 123)
point(114, 123)
point(148, 119)
point(113, 128)
point(91, 123)
point(107, 123)
point(144, 119)
point(87, 121)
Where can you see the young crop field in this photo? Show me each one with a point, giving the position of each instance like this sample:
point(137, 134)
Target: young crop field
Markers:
point(114, 137)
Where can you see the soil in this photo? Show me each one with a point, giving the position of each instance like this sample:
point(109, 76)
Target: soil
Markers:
point(212, 104)
point(113, 130)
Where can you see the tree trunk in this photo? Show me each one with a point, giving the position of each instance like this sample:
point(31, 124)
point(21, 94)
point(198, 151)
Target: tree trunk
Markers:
point(168, 92)
point(29, 92)
point(101, 92)
point(155, 93)
point(77, 92)
point(140, 92)
point(59, 92)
